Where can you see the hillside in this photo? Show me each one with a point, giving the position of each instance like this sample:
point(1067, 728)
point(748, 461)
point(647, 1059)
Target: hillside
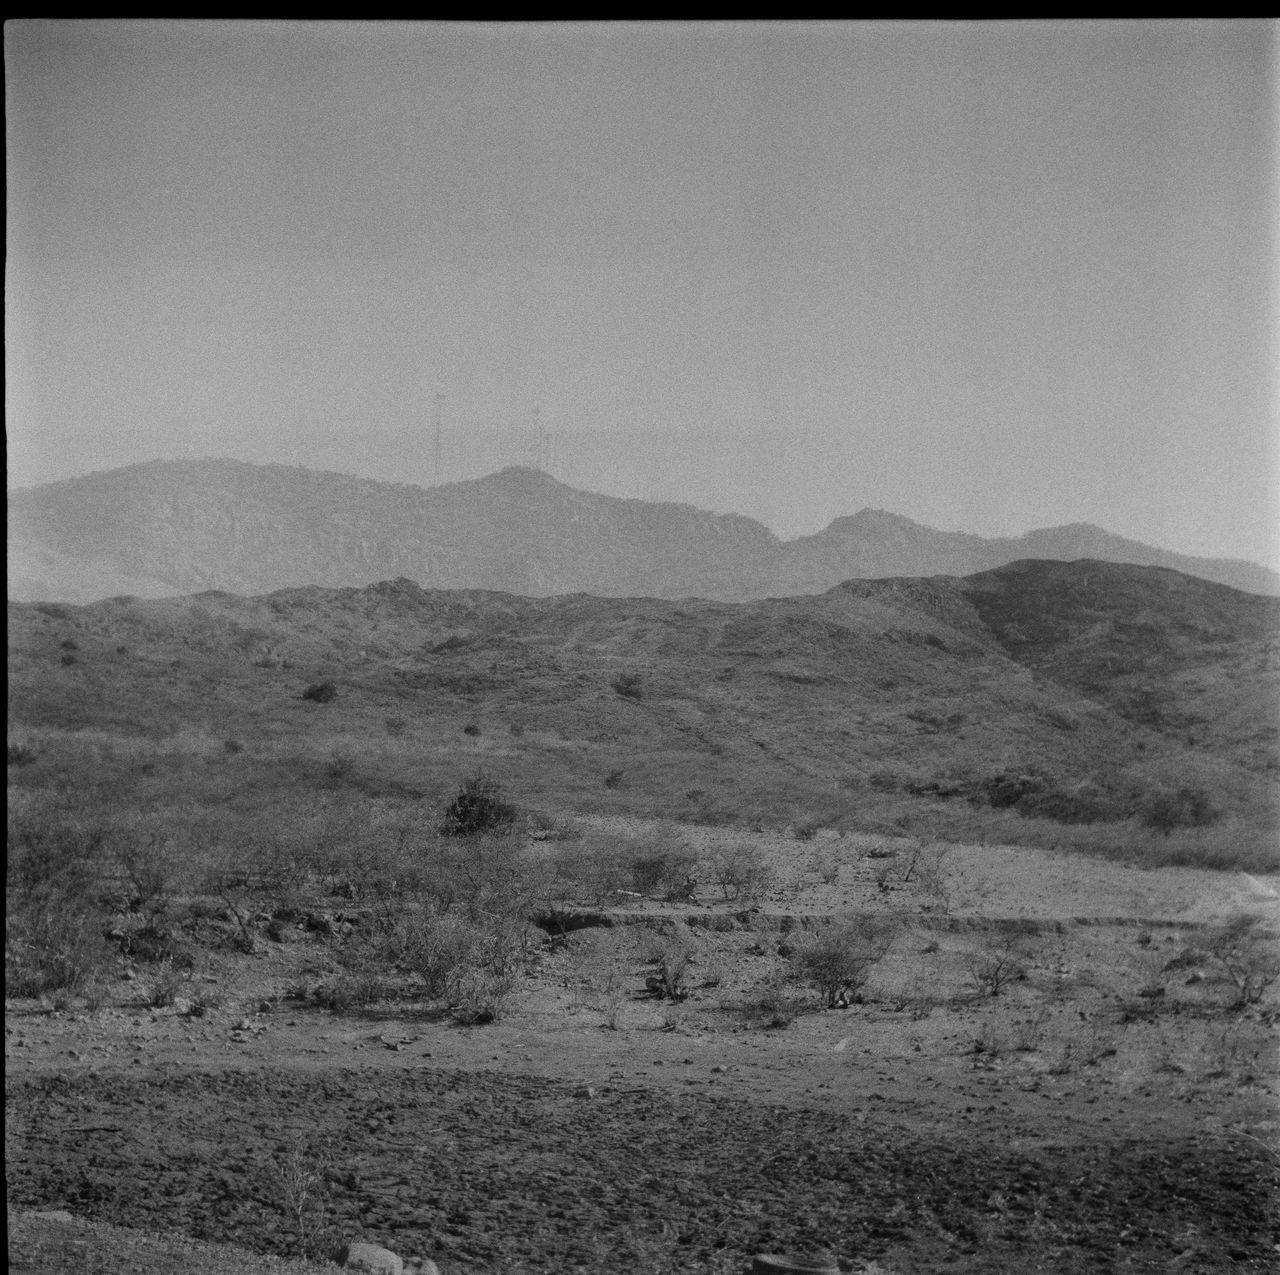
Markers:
point(1069, 693)
point(168, 528)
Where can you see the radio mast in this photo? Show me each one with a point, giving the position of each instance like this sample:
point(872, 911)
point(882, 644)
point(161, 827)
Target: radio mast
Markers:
point(435, 468)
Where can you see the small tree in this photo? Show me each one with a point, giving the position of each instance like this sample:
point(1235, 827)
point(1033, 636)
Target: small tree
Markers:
point(839, 957)
point(479, 810)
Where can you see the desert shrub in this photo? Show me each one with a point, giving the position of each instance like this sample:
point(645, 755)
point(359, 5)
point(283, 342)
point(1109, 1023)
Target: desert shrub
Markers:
point(613, 778)
point(806, 829)
point(741, 871)
point(320, 692)
point(478, 810)
point(668, 869)
point(55, 920)
point(1185, 807)
point(166, 987)
point(1082, 805)
point(837, 959)
point(68, 659)
point(1249, 958)
point(669, 955)
point(471, 729)
point(590, 872)
point(482, 996)
point(301, 1181)
point(232, 746)
point(771, 1005)
point(999, 961)
point(1010, 787)
point(21, 755)
point(629, 685)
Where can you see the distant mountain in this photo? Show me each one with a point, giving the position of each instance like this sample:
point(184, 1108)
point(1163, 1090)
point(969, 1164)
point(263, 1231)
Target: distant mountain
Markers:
point(176, 527)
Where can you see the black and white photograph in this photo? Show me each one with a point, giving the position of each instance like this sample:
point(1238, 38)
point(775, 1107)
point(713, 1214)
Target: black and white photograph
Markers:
point(642, 646)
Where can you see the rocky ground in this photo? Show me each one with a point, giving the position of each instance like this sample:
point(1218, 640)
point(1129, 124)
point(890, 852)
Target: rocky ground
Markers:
point(1103, 1112)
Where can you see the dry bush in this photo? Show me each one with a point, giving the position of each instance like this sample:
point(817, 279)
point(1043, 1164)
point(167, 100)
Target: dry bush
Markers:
point(1000, 960)
point(301, 1182)
point(1247, 955)
point(669, 955)
point(591, 872)
point(479, 810)
point(837, 959)
point(55, 919)
point(741, 871)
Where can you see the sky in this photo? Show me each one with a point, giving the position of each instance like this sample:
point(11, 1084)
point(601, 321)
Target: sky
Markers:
point(990, 276)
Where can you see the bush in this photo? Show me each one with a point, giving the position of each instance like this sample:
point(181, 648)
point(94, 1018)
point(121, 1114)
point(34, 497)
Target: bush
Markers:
point(1247, 957)
point(21, 755)
point(1185, 808)
point(55, 921)
point(741, 871)
point(479, 810)
point(629, 685)
point(320, 692)
point(1000, 961)
point(668, 870)
point(839, 957)
point(669, 956)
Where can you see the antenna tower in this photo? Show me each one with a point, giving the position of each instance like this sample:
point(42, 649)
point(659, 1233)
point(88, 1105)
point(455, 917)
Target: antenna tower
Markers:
point(435, 468)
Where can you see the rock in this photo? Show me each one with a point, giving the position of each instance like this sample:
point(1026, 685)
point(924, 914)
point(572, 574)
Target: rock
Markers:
point(370, 1258)
point(821, 1262)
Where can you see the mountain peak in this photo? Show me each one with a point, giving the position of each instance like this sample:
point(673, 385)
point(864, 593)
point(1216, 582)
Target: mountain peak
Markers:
point(168, 527)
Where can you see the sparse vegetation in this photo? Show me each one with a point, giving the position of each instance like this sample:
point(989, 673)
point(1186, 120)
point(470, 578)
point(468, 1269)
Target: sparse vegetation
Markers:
point(478, 809)
point(1000, 960)
point(1248, 955)
point(629, 685)
point(838, 958)
point(741, 871)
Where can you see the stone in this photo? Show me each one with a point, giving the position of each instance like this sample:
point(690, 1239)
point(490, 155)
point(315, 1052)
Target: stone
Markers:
point(372, 1259)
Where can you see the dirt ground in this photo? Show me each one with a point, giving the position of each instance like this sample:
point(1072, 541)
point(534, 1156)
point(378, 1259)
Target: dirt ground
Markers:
point(1103, 1112)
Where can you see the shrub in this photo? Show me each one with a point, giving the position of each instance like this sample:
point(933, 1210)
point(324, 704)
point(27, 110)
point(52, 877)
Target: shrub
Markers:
point(1186, 807)
point(471, 729)
point(741, 871)
point(320, 692)
point(629, 685)
point(1000, 961)
point(669, 955)
point(1247, 957)
point(668, 870)
point(21, 755)
point(839, 957)
point(479, 810)
point(54, 919)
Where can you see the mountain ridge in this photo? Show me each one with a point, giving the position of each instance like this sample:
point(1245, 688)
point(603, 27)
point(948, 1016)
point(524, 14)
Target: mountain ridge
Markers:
point(162, 528)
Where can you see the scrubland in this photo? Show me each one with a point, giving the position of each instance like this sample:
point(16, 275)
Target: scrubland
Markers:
point(582, 934)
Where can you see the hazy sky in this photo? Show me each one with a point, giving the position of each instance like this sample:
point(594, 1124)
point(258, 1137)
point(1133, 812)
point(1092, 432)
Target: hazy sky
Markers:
point(988, 276)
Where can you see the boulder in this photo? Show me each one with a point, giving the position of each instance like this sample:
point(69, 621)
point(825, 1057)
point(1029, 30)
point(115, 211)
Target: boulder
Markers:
point(372, 1259)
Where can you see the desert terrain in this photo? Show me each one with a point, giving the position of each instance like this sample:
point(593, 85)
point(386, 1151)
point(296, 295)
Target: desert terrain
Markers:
point(568, 934)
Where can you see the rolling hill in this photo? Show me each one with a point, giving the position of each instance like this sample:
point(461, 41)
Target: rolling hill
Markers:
point(166, 528)
point(1072, 694)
